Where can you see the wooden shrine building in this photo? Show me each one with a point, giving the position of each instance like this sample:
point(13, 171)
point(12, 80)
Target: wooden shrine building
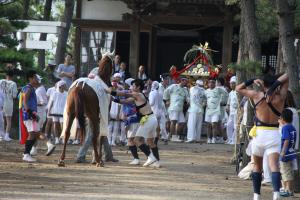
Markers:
point(155, 33)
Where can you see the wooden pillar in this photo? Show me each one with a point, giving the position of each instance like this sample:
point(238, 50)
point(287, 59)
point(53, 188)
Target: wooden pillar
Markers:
point(134, 52)
point(227, 41)
point(152, 68)
point(77, 53)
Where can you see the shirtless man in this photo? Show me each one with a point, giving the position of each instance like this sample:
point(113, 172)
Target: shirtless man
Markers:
point(269, 103)
point(148, 121)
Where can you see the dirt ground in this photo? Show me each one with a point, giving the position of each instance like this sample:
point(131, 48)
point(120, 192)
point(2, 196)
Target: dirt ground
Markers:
point(189, 171)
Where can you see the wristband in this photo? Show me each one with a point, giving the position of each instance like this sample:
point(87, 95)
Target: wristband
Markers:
point(113, 93)
point(249, 82)
point(273, 87)
point(116, 100)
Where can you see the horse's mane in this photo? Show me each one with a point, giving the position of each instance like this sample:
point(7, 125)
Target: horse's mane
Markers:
point(105, 69)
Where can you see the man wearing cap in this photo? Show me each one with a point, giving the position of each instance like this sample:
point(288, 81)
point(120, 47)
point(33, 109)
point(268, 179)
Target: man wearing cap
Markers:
point(213, 110)
point(232, 105)
point(197, 99)
point(176, 95)
point(41, 108)
point(9, 88)
point(30, 117)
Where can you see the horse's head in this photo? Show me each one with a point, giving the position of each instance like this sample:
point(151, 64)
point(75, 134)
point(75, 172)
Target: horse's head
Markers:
point(106, 65)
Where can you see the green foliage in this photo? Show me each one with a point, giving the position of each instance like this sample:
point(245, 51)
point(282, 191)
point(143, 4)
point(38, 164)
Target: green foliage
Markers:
point(10, 22)
point(231, 2)
point(266, 20)
point(248, 66)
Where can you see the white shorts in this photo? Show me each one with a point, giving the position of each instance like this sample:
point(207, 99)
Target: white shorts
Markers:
point(176, 116)
point(148, 129)
point(58, 119)
point(212, 118)
point(266, 140)
point(8, 109)
point(132, 130)
point(32, 126)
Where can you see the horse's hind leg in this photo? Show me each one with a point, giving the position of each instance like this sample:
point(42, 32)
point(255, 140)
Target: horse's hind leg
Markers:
point(69, 122)
point(99, 162)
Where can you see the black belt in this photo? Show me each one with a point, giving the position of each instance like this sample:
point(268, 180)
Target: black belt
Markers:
point(147, 114)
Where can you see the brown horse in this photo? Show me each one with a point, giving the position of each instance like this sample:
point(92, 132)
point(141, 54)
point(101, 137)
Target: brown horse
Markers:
point(82, 101)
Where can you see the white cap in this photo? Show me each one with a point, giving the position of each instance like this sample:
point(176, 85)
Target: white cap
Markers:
point(233, 79)
point(129, 81)
point(39, 78)
point(60, 83)
point(117, 75)
point(199, 82)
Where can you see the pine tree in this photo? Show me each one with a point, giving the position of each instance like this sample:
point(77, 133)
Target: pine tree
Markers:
point(10, 14)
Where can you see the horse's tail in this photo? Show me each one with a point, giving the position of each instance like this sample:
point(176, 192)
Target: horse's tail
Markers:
point(79, 111)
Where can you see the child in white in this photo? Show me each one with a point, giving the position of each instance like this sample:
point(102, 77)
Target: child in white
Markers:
point(9, 89)
point(197, 99)
point(158, 108)
point(1, 115)
point(57, 104)
point(232, 105)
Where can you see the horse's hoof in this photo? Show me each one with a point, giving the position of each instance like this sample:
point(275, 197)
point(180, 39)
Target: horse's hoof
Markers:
point(61, 163)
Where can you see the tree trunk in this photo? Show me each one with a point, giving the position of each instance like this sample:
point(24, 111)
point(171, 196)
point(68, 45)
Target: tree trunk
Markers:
point(286, 18)
point(251, 32)
point(63, 37)
point(280, 65)
point(43, 36)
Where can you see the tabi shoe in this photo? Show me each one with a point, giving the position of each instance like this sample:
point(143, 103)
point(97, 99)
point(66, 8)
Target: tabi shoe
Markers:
point(256, 196)
point(151, 159)
point(175, 138)
point(208, 141)
point(135, 162)
point(33, 151)
point(156, 164)
point(7, 138)
point(51, 148)
point(76, 142)
point(276, 196)
point(213, 140)
point(28, 158)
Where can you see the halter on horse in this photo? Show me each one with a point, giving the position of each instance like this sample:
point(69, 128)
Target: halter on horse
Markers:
point(82, 102)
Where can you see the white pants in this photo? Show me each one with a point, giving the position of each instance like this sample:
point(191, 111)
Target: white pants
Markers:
point(42, 115)
point(1, 123)
point(113, 131)
point(231, 128)
point(194, 126)
point(161, 119)
point(123, 132)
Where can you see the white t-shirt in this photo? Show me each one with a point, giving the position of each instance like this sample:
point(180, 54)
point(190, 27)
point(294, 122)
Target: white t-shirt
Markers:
point(156, 102)
point(197, 98)
point(177, 95)
point(9, 89)
point(114, 110)
point(58, 101)
point(214, 98)
point(232, 103)
point(1, 100)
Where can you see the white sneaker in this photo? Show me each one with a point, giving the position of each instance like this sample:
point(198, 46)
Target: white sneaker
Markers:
point(56, 140)
point(213, 140)
point(276, 196)
point(221, 140)
point(156, 164)
point(175, 138)
point(189, 141)
point(256, 196)
point(76, 142)
point(28, 158)
point(208, 141)
point(135, 162)
point(51, 148)
point(151, 159)
point(33, 151)
point(7, 138)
